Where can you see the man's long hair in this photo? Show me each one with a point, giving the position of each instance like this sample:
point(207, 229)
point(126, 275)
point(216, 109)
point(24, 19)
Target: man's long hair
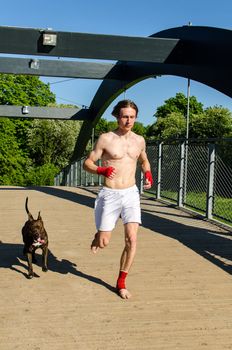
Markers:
point(124, 104)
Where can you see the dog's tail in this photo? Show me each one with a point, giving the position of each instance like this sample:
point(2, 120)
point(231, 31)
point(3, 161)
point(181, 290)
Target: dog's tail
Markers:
point(27, 210)
point(26, 206)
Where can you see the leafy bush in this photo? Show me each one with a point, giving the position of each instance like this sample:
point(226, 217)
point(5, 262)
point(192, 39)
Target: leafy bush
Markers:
point(41, 175)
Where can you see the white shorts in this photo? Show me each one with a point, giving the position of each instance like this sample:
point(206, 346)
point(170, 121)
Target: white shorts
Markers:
point(110, 204)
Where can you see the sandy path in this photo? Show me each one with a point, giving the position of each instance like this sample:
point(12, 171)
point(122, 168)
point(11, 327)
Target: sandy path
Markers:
point(180, 280)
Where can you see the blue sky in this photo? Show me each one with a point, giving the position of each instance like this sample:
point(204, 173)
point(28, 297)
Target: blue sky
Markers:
point(129, 18)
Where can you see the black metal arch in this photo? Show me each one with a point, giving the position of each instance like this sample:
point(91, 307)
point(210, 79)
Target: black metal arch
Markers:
point(201, 53)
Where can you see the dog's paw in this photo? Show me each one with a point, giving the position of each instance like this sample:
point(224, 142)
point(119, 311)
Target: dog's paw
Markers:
point(31, 275)
point(44, 269)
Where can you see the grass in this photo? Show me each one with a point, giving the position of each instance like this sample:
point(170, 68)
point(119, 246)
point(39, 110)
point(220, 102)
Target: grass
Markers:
point(222, 207)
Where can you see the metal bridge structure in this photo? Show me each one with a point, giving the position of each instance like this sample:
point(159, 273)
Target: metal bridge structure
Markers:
point(198, 53)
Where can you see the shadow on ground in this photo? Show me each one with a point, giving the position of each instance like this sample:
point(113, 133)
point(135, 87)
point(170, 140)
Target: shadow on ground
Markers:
point(210, 244)
point(11, 257)
point(68, 195)
point(58, 192)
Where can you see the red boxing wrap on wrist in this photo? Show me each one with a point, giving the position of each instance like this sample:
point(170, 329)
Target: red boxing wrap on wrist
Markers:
point(148, 176)
point(105, 171)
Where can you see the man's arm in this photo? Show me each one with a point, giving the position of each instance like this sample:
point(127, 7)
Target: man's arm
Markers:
point(146, 168)
point(89, 164)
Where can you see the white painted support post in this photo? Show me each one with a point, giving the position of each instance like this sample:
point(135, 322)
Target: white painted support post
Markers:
point(61, 176)
point(141, 183)
point(56, 180)
point(66, 177)
point(99, 176)
point(75, 165)
point(80, 171)
point(181, 174)
point(210, 181)
point(71, 173)
point(86, 178)
point(159, 164)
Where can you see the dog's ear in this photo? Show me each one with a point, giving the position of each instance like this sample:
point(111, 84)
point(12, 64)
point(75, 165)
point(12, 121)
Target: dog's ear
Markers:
point(30, 217)
point(39, 216)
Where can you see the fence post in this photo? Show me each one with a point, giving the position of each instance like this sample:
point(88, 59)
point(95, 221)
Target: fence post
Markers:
point(56, 180)
point(75, 174)
point(66, 177)
point(210, 180)
point(181, 174)
point(185, 170)
point(61, 176)
point(86, 180)
point(79, 169)
point(159, 163)
point(99, 176)
point(92, 180)
point(71, 175)
point(141, 183)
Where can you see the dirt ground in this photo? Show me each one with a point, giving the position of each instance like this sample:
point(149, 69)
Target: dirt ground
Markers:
point(180, 280)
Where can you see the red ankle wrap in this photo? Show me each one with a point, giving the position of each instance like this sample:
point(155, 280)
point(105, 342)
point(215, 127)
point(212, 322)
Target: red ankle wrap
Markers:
point(121, 280)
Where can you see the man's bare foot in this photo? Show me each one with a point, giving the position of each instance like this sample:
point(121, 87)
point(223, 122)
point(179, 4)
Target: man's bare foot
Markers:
point(95, 244)
point(124, 293)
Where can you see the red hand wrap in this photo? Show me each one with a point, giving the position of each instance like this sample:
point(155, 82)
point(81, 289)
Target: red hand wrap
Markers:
point(105, 171)
point(148, 176)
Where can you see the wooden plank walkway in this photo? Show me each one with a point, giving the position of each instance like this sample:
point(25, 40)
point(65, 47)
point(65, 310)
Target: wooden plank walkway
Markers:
point(180, 280)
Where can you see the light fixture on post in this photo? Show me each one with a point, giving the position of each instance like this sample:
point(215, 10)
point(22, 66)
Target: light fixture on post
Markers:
point(49, 38)
point(25, 110)
point(34, 64)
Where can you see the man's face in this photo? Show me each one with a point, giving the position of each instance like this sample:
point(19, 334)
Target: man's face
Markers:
point(127, 118)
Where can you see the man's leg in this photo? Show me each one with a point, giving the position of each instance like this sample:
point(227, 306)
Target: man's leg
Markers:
point(101, 240)
point(127, 258)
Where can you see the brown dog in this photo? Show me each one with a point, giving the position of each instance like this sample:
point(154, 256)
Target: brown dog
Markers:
point(34, 237)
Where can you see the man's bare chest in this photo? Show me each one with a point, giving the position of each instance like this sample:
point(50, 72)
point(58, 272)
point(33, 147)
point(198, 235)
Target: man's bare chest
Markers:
point(121, 149)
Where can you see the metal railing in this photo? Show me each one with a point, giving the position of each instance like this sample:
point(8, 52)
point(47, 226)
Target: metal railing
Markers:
point(196, 175)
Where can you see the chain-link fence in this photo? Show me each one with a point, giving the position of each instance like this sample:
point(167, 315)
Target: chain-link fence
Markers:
point(196, 175)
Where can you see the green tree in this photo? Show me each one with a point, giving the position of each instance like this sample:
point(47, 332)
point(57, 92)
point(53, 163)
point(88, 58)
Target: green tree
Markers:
point(101, 127)
point(139, 129)
point(52, 141)
point(172, 126)
point(18, 90)
point(178, 104)
point(105, 126)
point(171, 117)
point(22, 90)
point(112, 125)
point(41, 175)
point(13, 163)
point(214, 122)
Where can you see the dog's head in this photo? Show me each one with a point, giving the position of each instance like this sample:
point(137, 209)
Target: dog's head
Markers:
point(34, 233)
point(36, 230)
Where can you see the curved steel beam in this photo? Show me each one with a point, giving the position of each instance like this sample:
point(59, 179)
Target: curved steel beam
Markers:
point(204, 53)
point(107, 92)
point(201, 53)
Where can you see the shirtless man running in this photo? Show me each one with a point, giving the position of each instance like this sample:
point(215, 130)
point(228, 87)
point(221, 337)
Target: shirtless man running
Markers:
point(119, 150)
